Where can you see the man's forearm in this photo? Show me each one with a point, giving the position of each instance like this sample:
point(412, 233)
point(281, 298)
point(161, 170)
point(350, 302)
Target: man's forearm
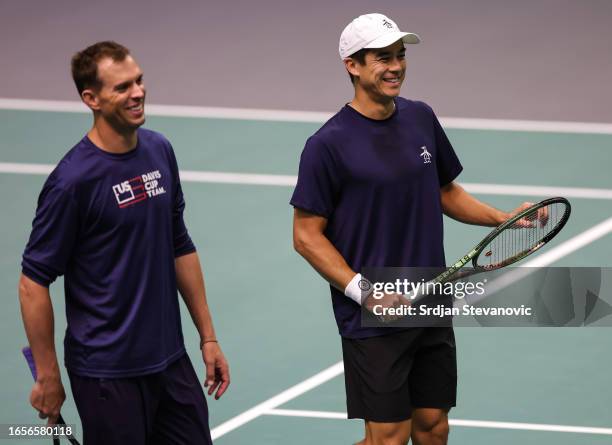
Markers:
point(314, 247)
point(460, 205)
point(37, 314)
point(190, 283)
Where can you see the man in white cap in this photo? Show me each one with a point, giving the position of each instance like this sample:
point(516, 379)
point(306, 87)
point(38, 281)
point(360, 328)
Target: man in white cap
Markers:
point(373, 184)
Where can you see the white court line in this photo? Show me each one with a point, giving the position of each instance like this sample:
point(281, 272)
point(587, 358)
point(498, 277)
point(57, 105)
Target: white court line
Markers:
point(536, 190)
point(526, 125)
point(571, 245)
point(289, 181)
point(26, 169)
point(243, 178)
point(257, 114)
point(285, 396)
point(303, 413)
point(310, 116)
point(460, 422)
point(531, 426)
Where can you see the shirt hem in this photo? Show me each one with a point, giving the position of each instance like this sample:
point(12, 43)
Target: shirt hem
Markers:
point(184, 251)
point(309, 209)
point(453, 176)
point(122, 373)
point(373, 332)
point(35, 277)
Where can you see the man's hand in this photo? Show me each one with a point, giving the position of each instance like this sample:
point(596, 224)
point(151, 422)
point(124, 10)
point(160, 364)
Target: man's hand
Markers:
point(541, 217)
point(387, 301)
point(47, 397)
point(217, 369)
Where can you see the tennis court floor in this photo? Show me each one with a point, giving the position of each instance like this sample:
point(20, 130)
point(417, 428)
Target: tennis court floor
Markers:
point(272, 312)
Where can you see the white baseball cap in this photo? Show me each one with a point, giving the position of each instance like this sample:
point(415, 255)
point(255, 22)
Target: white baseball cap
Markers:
point(372, 31)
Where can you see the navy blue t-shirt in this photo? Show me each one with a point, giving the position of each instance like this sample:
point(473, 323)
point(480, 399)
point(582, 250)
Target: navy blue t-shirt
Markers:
point(377, 182)
point(112, 224)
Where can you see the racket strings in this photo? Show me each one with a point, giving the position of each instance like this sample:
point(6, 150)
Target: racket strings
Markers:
point(523, 236)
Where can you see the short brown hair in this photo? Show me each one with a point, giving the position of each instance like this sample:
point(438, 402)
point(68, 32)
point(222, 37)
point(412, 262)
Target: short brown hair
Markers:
point(359, 57)
point(84, 64)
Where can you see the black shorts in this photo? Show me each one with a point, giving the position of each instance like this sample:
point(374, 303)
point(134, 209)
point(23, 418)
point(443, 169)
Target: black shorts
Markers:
point(386, 377)
point(161, 408)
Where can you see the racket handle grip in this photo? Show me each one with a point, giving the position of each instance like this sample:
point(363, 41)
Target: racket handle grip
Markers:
point(27, 353)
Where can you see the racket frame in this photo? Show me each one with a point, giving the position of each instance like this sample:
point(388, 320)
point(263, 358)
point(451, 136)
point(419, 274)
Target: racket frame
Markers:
point(451, 273)
point(474, 254)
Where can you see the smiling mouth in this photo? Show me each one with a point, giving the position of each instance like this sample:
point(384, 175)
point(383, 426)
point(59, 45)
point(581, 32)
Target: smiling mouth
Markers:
point(136, 108)
point(392, 80)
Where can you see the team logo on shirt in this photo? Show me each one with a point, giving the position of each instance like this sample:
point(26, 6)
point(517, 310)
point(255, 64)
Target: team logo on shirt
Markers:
point(138, 189)
point(425, 155)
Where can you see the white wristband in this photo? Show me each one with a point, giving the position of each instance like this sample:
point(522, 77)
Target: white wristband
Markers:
point(358, 288)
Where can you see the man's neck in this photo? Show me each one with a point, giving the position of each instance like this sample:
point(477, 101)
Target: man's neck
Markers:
point(107, 138)
point(378, 110)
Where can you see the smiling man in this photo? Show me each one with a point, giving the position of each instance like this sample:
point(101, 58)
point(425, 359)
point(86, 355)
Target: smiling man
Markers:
point(373, 185)
point(110, 219)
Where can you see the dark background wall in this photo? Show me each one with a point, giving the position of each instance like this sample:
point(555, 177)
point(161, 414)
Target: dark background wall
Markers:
point(538, 59)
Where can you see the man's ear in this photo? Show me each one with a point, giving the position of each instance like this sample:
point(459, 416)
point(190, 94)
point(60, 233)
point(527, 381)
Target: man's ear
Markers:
point(351, 66)
point(90, 98)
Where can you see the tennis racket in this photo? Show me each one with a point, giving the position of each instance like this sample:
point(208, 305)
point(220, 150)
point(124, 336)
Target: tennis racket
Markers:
point(27, 353)
point(510, 242)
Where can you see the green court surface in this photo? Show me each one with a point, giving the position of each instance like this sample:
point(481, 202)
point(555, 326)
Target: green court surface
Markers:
point(272, 311)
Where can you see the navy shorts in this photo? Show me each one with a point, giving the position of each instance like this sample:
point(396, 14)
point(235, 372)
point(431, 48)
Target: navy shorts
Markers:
point(167, 407)
point(386, 377)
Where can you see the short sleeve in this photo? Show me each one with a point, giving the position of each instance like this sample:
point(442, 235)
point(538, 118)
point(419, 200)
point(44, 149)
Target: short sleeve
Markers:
point(182, 241)
point(318, 183)
point(447, 162)
point(54, 233)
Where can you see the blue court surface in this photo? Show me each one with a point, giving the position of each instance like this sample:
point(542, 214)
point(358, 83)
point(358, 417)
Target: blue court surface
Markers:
point(272, 311)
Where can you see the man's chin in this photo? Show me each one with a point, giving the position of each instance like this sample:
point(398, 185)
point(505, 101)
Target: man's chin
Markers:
point(137, 123)
point(393, 92)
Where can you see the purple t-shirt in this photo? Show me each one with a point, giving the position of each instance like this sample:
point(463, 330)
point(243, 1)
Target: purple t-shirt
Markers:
point(378, 184)
point(112, 224)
